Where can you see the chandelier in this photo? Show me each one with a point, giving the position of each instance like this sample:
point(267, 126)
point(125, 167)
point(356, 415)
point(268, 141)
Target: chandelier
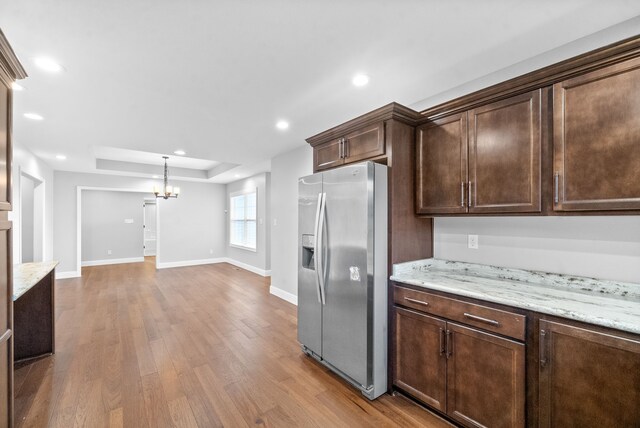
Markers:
point(167, 191)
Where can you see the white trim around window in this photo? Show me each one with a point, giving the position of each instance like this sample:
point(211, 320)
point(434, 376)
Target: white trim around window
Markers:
point(243, 219)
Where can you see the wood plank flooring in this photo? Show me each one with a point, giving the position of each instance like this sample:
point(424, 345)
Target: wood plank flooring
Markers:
point(202, 346)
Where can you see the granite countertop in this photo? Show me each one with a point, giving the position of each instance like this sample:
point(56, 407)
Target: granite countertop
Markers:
point(26, 275)
point(606, 303)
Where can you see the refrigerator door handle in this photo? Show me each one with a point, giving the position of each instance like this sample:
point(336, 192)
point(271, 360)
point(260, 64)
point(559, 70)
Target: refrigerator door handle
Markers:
point(319, 256)
point(317, 247)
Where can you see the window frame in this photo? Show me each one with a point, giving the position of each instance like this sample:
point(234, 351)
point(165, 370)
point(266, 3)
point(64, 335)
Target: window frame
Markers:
point(233, 195)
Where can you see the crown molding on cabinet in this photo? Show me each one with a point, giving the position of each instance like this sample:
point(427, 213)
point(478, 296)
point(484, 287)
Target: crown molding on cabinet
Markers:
point(9, 63)
point(390, 111)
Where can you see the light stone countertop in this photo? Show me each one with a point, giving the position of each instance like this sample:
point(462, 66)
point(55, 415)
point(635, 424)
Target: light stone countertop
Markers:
point(606, 303)
point(26, 275)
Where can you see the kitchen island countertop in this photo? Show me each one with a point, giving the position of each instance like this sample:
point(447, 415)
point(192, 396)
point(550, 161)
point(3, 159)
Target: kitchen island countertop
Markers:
point(26, 275)
point(606, 303)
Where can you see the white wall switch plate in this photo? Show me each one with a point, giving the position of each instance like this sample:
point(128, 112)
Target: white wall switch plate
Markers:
point(473, 241)
point(128, 220)
point(108, 252)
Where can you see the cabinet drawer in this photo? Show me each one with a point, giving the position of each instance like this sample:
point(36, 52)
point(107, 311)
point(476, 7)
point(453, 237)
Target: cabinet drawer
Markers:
point(495, 320)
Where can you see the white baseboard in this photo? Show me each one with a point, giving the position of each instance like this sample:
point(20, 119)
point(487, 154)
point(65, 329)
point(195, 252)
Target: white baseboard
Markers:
point(245, 266)
point(284, 295)
point(68, 274)
point(184, 263)
point(112, 261)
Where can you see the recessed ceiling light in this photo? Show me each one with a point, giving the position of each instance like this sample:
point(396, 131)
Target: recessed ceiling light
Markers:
point(237, 175)
point(61, 157)
point(17, 87)
point(33, 116)
point(156, 176)
point(282, 124)
point(360, 80)
point(48, 64)
point(180, 152)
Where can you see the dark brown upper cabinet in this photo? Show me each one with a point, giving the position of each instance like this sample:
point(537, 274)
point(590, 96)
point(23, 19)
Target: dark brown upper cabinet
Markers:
point(486, 160)
point(358, 145)
point(441, 167)
point(596, 142)
point(505, 155)
point(328, 155)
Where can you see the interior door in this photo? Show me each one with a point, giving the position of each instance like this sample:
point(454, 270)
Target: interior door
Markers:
point(150, 229)
point(348, 220)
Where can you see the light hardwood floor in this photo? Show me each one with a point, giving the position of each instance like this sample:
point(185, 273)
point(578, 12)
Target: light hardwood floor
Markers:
point(201, 346)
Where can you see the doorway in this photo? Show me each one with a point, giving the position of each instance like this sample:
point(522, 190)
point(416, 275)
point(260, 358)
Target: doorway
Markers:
point(150, 227)
point(31, 224)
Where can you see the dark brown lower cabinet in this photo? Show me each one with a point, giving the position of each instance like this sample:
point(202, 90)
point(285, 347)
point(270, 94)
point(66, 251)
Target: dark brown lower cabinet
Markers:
point(476, 378)
point(485, 378)
point(588, 378)
point(420, 366)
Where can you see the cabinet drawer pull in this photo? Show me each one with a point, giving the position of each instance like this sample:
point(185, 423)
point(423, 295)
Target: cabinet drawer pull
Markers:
point(449, 343)
point(469, 190)
point(419, 302)
point(556, 187)
point(442, 340)
point(481, 319)
point(462, 194)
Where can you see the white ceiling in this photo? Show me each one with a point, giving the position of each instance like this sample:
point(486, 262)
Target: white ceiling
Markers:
point(213, 77)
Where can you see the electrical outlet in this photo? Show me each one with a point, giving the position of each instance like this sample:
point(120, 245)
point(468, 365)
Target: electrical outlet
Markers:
point(473, 241)
point(275, 221)
point(108, 252)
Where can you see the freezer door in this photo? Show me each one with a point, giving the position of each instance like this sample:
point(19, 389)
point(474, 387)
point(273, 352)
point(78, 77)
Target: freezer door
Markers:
point(348, 238)
point(309, 306)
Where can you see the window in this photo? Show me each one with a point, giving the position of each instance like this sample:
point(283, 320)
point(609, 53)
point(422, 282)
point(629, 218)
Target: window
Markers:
point(242, 228)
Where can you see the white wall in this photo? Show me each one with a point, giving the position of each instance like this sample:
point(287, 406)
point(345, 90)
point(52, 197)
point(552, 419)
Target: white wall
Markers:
point(191, 227)
point(104, 229)
point(26, 162)
point(258, 261)
point(286, 168)
point(593, 41)
point(600, 247)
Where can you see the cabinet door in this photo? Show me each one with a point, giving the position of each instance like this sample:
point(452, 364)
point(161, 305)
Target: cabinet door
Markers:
point(485, 379)
point(587, 378)
point(5, 146)
point(442, 166)
point(504, 155)
point(597, 140)
point(327, 155)
point(365, 143)
point(420, 363)
point(6, 376)
point(6, 323)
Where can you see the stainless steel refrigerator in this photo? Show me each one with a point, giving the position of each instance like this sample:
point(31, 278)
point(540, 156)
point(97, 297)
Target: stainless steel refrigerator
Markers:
point(342, 272)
